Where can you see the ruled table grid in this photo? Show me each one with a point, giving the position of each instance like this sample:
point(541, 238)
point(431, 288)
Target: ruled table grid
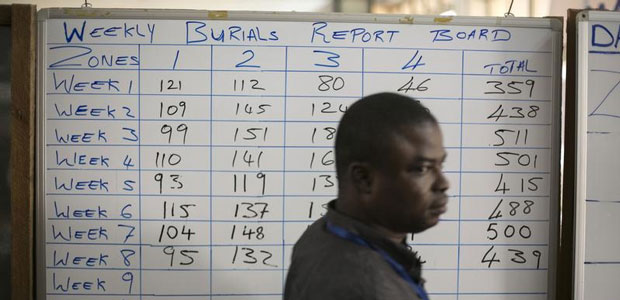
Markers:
point(227, 157)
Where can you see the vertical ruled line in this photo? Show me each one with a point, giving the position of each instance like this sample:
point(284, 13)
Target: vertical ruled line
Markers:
point(458, 259)
point(211, 176)
point(284, 169)
point(363, 70)
point(140, 161)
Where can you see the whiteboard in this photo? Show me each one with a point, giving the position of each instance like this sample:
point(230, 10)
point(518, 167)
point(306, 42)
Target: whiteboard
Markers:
point(182, 153)
point(597, 243)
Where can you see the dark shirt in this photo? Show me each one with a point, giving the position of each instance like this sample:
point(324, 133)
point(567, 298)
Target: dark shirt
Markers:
point(325, 266)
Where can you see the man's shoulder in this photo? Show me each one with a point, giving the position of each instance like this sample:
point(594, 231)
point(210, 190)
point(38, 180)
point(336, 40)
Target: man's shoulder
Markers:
point(321, 273)
point(319, 243)
point(325, 266)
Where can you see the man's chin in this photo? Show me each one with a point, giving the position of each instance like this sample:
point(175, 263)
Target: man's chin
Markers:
point(432, 221)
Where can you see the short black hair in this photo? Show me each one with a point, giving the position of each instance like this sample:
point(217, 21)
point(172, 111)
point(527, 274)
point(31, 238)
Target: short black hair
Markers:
point(367, 127)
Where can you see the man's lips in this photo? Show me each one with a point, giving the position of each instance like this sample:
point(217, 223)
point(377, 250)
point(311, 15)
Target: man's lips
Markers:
point(439, 206)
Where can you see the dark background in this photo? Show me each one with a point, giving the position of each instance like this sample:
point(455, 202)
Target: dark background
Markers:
point(5, 145)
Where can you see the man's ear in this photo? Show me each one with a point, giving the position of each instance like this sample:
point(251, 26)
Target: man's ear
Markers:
point(361, 177)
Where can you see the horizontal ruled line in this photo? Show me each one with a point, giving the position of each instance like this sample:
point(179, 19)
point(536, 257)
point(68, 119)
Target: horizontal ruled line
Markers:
point(244, 221)
point(180, 195)
point(601, 263)
point(217, 95)
point(508, 75)
point(189, 145)
point(603, 52)
point(274, 195)
point(163, 120)
point(196, 195)
point(273, 171)
point(499, 99)
point(275, 146)
point(192, 170)
point(605, 71)
point(476, 245)
point(278, 295)
point(286, 244)
point(264, 269)
point(490, 293)
point(603, 201)
point(157, 295)
point(496, 220)
point(164, 269)
point(322, 71)
point(289, 96)
point(505, 196)
point(146, 45)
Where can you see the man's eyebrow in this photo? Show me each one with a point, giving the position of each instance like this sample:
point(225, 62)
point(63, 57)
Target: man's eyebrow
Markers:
point(431, 160)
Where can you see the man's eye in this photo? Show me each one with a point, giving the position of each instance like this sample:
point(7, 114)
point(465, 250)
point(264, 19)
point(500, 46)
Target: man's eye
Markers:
point(421, 169)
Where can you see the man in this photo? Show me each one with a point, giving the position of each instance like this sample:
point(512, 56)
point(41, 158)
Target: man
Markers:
point(389, 156)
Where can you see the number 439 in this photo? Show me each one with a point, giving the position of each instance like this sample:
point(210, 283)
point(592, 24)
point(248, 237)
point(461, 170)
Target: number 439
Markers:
point(516, 256)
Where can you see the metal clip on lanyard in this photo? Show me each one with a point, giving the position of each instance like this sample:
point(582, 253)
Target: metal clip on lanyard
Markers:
point(400, 270)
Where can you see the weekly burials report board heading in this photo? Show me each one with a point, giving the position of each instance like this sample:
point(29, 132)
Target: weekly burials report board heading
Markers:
point(197, 32)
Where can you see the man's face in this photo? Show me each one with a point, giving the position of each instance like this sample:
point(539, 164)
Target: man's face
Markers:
point(409, 187)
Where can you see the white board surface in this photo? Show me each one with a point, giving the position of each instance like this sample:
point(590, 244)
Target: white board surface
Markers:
point(181, 158)
point(598, 204)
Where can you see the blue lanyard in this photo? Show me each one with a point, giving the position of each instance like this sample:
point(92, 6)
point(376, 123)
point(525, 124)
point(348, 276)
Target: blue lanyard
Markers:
point(400, 270)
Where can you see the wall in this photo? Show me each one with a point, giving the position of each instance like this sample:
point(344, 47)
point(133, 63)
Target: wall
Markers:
point(260, 5)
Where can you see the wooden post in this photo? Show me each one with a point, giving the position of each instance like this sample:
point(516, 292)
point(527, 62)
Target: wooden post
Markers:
point(5, 15)
point(566, 268)
point(23, 52)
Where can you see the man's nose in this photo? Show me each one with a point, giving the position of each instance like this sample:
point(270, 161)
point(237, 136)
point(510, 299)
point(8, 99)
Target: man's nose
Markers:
point(441, 183)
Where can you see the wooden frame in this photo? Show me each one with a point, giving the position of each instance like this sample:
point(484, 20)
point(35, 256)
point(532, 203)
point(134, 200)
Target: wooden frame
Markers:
point(566, 274)
point(22, 20)
point(557, 90)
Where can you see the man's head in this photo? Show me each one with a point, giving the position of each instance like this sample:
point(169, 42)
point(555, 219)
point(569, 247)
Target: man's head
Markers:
point(389, 154)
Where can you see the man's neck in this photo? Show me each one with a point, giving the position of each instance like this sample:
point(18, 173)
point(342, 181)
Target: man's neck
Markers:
point(351, 211)
point(395, 237)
